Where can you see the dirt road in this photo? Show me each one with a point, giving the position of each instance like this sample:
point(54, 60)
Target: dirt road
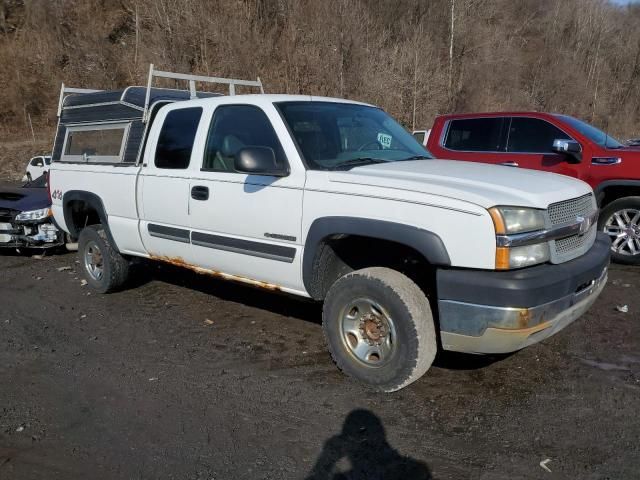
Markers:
point(186, 377)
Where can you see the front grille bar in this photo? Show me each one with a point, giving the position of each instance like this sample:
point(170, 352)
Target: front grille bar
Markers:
point(581, 226)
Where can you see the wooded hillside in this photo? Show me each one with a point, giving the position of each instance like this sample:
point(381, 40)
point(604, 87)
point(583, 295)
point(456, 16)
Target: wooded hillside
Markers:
point(414, 58)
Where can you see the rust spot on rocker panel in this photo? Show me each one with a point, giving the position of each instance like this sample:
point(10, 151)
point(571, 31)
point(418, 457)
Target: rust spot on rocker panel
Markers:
point(179, 262)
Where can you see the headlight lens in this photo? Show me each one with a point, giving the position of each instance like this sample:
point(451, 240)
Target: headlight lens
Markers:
point(516, 220)
point(34, 215)
point(509, 220)
point(519, 257)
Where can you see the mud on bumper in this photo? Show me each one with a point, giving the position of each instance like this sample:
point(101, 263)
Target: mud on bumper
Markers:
point(500, 312)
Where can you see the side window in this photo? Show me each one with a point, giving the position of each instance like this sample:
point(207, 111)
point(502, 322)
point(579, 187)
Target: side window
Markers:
point(475, 135)
point(37, 162)
point(532, 135)
point(419, 136)
point(176, 138)
point(94, 143)
point(47, 160)
point(234, 127)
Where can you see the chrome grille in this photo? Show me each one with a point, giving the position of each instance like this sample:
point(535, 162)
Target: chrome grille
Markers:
point(575, 242)
point(565, 212)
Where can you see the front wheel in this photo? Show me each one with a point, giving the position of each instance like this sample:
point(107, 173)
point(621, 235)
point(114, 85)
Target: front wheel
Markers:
point(621, 221)
point(379, 328)
point(104, 268)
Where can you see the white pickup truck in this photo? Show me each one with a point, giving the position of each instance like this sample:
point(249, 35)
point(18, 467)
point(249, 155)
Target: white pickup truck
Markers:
point(333, 200)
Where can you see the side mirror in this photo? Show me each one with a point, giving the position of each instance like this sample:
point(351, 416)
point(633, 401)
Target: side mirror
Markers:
point(258, 161)
point(570, 148)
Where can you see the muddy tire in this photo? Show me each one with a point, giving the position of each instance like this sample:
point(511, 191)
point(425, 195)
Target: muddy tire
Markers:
point(103, 267)
point(379, 328)
point(621, 221)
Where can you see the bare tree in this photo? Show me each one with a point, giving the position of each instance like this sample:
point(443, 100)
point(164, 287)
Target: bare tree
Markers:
point(413, 58)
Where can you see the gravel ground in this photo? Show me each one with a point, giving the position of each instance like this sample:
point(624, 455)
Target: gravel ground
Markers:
point(187, 377)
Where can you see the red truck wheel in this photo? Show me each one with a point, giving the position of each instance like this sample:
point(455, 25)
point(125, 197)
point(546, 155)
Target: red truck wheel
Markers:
point(621, 221)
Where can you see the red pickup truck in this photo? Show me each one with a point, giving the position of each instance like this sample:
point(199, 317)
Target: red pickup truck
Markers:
point(560, 144)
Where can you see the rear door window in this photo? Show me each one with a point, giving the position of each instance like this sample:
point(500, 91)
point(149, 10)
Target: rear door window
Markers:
point(533, 135)
point(476, 135)
point(175, 142)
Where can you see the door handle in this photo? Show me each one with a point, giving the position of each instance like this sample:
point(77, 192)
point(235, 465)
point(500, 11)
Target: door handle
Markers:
point(200, 192)
point(510, 164)
point(606, 160)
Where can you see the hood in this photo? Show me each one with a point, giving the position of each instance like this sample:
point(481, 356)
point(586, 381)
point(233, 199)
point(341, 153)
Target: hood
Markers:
point(24, 199)
point(478, 183)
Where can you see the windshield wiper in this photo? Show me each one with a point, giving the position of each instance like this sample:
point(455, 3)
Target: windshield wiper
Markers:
point(357, 162)
point(416, 157)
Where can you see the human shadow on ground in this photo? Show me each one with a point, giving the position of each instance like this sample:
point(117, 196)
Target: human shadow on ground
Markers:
point(363, 444)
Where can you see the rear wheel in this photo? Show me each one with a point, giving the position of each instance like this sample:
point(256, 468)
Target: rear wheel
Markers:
point(104, 268)
point(379, 328)
point(29, 179)
point(621, 221)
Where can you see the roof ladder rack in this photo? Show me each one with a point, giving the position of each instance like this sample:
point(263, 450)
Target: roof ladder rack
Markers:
point(192, 79)
point(65, 90)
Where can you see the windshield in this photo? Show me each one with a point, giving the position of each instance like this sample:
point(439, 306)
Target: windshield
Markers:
point(341, 135)
point(591, 132)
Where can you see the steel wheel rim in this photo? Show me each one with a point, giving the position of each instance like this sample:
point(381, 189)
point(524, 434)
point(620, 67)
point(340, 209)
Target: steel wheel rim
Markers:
point(624, 229)
point(368, 332)
point(93, 261)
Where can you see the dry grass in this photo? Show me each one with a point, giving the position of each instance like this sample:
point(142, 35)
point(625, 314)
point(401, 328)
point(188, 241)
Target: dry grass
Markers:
point(580, 57)
point(14, 156)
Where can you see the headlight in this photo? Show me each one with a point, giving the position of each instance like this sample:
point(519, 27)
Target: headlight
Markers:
point(518, 257)
point(509, 220)
point(511, 223)
point(33, 215)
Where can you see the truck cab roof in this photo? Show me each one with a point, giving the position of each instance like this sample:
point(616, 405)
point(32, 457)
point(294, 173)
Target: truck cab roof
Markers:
point(262, 98)
point(521, 113)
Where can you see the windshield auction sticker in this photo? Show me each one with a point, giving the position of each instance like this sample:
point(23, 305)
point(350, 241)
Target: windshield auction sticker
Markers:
point(385, 140)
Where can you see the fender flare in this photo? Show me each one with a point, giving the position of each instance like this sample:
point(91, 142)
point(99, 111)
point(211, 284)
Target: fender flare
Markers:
point(599, 190)
point(427, 243)
point(92, 200)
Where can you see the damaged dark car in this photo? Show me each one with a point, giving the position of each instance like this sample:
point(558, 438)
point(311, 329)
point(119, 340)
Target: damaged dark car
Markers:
point(26, 220)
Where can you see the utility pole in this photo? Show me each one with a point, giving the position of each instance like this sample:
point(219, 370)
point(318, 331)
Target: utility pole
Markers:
point(451, 37)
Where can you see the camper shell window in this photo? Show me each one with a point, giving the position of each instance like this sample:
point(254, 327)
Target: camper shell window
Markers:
point(95, 143)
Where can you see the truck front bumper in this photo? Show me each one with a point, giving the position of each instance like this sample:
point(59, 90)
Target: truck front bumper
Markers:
point(30, 234)
point(501, 312)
